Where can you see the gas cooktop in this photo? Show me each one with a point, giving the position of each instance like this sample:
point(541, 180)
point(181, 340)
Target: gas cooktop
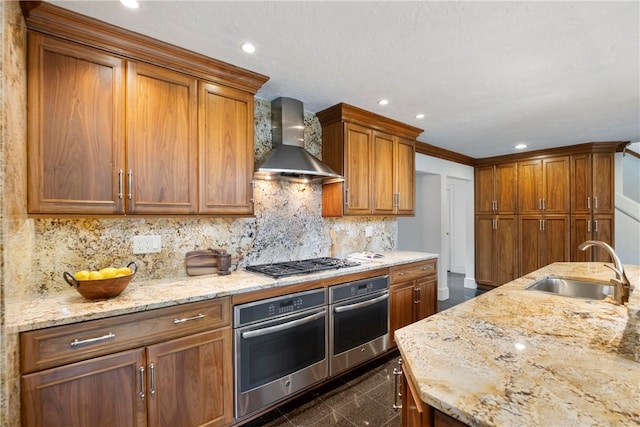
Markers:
point(305, 266)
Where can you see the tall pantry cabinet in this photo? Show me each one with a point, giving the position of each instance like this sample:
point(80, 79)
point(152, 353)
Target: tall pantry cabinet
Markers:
point(533, 210)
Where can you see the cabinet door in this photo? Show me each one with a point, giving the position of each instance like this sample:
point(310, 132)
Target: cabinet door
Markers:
point(555, 193)
point(383, 172)
point(162, 141)
point(530, 187)
point(358, 147)
point(426, 298)
point(603, 231)
point(484, 182)
point(406, 176)
point(190, 380)
point(581, 184)
point(603, 183)
point(530, 243)
point(400, 307)
point(506, 249)
point(75, 128)
point(415, 413)
point(225, 150)
point(556, 240)
point(485, 246)
point(104, 391)
point(581, 230)
point(506, 188)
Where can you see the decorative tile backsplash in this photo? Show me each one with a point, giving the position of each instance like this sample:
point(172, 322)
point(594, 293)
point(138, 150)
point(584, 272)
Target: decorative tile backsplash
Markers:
point(288, 224)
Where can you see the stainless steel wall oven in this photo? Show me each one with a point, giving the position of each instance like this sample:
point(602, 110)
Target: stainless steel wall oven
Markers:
point(280, 347)
point(358, 322)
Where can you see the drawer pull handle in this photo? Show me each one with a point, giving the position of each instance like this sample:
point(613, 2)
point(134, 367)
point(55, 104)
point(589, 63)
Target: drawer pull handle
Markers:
point(152, 378)
point(186, 319)
point(142, 385)
point(427, 267)
point(78, 342)
point(404, 273)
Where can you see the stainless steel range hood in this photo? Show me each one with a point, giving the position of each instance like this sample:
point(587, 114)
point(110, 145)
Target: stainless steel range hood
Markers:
point(288, 160)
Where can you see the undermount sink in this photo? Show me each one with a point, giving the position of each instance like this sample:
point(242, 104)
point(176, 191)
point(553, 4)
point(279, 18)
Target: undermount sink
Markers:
point(572, 288)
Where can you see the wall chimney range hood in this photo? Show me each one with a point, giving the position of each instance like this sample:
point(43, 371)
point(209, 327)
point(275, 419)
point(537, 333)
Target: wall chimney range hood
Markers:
point(288, 160)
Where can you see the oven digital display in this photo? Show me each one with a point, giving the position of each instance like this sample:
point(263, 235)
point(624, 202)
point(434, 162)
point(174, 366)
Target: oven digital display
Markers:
point(363, 286)
point(286, 303)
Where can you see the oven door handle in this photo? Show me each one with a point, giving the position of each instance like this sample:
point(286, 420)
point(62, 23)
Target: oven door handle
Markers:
point(283, 326)
point(358, 305)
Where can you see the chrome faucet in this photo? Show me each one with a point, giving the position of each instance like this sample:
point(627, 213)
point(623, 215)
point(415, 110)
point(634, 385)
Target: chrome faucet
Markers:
point(621, 282)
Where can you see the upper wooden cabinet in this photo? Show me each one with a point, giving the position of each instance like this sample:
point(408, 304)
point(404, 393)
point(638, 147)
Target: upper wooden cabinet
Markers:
point(162, 118)
point(376, 155)
point(189, 133)
point(496, 189)
point(592, 189)
point(543, 186)
point(76, 102)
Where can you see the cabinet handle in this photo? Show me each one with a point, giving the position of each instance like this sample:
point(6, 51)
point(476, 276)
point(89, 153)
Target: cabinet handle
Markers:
point(595, 225)
point(495, 205)
point(120, 184)
point(416, 293)
point(544, 204)
point(494, 224)
point(346, 197)
point(588, 202)
point(152, 379)
point(540, 224)
point(141, 370)
point(130, 183)
point(595, 202)
point(252, 183)
point(397, 377)
point(404, 273)
point(78, 342)
point(588, 226)
point(187, 319)
point(544, 225)
point(540, 204)
point(427, 267)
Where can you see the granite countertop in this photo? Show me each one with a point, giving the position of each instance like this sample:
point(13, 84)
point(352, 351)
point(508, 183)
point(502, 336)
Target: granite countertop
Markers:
point(529, 358)
point(70, 307)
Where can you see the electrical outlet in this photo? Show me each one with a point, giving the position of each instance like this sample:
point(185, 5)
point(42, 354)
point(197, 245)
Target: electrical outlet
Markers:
point(146, 244)
point(368, 231)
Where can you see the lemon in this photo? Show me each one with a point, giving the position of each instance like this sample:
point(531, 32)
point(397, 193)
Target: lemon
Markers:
point(95, 275)
point(82, 275)
point(108, 272)
point(124, 271)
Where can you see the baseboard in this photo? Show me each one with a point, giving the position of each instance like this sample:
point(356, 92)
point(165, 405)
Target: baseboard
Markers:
point(470, 283)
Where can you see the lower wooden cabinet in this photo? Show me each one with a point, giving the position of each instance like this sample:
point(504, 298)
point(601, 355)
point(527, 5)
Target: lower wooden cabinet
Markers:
point(496, 249)
point(591, 227)
point(413, 294)
point(416, 413)
point(184, 381)
point(543, 240)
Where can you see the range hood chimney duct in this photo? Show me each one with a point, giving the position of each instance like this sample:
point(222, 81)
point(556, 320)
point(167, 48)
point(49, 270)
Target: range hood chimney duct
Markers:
point(288, 160)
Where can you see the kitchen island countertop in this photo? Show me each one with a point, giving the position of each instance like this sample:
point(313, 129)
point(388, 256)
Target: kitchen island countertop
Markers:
point(61, 308)
point(517, 357)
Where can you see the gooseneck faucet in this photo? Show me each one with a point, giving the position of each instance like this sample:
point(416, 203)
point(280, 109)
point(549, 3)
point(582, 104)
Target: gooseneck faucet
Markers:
point(621, 282)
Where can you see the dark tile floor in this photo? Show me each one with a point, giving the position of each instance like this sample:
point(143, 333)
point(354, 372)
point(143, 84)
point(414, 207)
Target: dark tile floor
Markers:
point(363, 397)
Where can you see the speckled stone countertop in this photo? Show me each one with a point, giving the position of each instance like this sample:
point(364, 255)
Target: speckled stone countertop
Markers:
point(527, 358)
point(70, 307)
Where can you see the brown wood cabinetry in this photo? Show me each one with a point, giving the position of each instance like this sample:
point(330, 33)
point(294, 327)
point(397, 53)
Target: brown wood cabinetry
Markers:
point(189, 133)
point(76, 102)
point(564, 197)
point(413, 294)
point(416, 413)
point(162, 367)
point(376, 155)
point(496, 249)
point(543, 240)
point(543, 186)
point(496, 189)
point(592, 204)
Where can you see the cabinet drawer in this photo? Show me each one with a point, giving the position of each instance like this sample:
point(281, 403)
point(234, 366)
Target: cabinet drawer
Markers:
point(46, 348)
point(402, 273)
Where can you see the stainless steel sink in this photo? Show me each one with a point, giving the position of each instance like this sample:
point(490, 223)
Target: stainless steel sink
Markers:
point(572, 288)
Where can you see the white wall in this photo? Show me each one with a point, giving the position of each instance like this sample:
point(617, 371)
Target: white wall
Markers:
point(427, 230)
point(457, 225)
point(627, 214)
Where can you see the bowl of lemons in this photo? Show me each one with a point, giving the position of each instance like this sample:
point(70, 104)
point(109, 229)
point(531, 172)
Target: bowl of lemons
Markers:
point(108, 282)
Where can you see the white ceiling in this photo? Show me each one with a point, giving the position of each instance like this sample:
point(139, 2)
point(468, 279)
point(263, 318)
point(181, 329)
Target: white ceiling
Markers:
point(487, 75)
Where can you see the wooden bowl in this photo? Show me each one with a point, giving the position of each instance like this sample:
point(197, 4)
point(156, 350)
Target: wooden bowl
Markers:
point(101, 288)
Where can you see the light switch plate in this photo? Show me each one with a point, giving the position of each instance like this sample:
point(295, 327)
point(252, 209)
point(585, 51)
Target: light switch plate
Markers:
point(147, 244)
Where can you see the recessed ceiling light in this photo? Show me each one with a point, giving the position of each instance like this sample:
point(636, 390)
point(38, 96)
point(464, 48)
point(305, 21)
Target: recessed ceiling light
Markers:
point(131, 4)
point(383, 102)
point(420, 116)
point(521, 146)
point(248, 47)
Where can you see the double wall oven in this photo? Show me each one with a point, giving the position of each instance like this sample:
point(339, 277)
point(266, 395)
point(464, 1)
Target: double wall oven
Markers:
point(285, 344)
